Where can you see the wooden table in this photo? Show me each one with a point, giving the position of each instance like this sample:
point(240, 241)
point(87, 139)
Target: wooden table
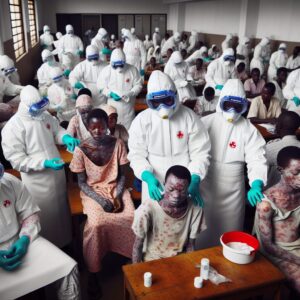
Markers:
point(173, 278)
point(65, 155)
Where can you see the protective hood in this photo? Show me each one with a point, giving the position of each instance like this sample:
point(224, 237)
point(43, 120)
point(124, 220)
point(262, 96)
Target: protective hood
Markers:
point(127, 34)
point(227, 53)
point(112, 37)
point(102, 33)
point(30, 95)
point(177, 37)
point(157, 29)
point(58, 35)
point(265, 41)
point(91, 52)
point(146, 37)
point(46, 54)
point(282, 46)
point(194, 33)
point(6, 65)
point(84, 100)
point(117, 55)
point(202, 50)
point(69, 28)
point(176, 57)
point(46, 28)
point(132, 30)
point(56, 74)
point(245, 40)
point(161, 82)
point(229, 37)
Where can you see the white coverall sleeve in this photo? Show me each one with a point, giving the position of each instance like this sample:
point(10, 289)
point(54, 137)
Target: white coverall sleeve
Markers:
point(12, 89)
point(209, 76)
point(76, 75)
point(137, 144)
point(137, 83)
point(255, 156)
point(102, 81)
point(199, 148)
point(143, 55)
point(192, 42)
point(155, 40)
point(288, 90)
point(14, 149)
point(58, 131)
point(80, 44)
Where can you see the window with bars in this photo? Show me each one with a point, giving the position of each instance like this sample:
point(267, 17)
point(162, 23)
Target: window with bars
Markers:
point(32, 22)
point(17, 27)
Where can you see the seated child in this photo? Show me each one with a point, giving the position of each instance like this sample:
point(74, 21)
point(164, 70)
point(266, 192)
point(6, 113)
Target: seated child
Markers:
point(170, 226)
point(207, 103)
point(277, 220)
point(198, 72)
point(254, 85)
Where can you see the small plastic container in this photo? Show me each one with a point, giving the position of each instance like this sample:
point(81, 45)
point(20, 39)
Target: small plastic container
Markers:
point(204, 268)
point(147, 279)
point(198, 282)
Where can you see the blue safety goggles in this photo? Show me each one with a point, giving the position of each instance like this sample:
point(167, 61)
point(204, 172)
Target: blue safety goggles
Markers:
point(229, 58)
point(118, 64)
point(234, 104)
point(9, 71)
point(36, 108)
point(58, 78)
point(160, 99)
point(93, 57)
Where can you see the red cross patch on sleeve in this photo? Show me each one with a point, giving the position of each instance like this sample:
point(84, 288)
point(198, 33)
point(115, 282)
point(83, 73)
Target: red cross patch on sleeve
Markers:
point(232, 144)
point(180, 134)
point(6, 203)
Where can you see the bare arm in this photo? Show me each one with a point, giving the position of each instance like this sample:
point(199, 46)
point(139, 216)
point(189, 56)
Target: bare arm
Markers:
point(85, 188)
point(137, 252)
point(190, 245)
point(250, 95)
point(261, 121)
point(265, 214)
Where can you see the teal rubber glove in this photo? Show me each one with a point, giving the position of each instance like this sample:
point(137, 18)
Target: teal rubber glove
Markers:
point(74, 97)
point(19, 248)
point(70, 142)
point(206, 59)
point(142, 72)
point(106, 51)
point(296, 101)
point(154, 186)
point(115, 96)
point(255, 193)
point(78, 85)
point(7, 262)
point(219, 87)
point(54, 163)
point(79, 52)
point(67, 73)
point(194, 190)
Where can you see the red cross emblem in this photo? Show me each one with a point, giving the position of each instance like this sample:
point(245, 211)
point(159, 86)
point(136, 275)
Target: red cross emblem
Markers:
point(180, 134)
point(127, 80)
point(48, 126)
point(232, 145)
point(6, 203)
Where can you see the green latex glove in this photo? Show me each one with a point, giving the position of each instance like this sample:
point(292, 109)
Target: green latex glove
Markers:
point(67, 73)
point(7, 262)
point(54, 163)
point(296, 101)
point(142, 72)
point(194, 190)
point(106, 51)
point(154, 186)
point(219, 87)
point(19, 248)
point(255, 194)
point(78, 85)
point(115, 96)
point(70, 142)
point(206, 59)
point(74, 97)
point(79, 52)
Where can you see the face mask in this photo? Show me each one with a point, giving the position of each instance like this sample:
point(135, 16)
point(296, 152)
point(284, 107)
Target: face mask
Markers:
point(282, 50)
point(227, 63)
point(230, 117)
point(166, 113)
point(71, 32)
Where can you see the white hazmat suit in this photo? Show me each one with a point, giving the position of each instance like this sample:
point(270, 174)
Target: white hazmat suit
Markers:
point(7, 88)
point(124, 81)
point(227, 43)
point(193, 40)
point(278, 60)
point(232, 145)
point(27, 142)
point(291, 90)
point(171, 43)
point(156, 38)
point(156, 143)
point(87, 73)
point(147, 42)
point(195, 55)
point(7, 67)
point(243, 50)
point(99, 42)
point(259, 55)
point(46, 39)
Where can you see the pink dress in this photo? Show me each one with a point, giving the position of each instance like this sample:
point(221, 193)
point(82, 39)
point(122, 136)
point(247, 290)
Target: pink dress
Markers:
point(104, 232)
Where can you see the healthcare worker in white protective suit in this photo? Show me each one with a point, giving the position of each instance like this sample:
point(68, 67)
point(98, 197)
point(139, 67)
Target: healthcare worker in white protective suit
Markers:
point(7, 88)
point(220, 70)
point(99, 41)
point(165, 134)
point(135, 51)
point(112, 42)
point(147, 42)
point(46, 39)
point(291, 92)
point(61, 95)
point(7, 68)
point(86, 73)
point(242, 52)
point(278, 60)
point(171, 43)
point(28, 143)
point(120, 83)
point(72, 43)
point(43, 72)
point(178, 71)
point(29, 262)
point(227, 43)
point(58, 51)
point(234, 142)
point(259, 56)
point(193, 40)
point(156, 37)
point(200, 53)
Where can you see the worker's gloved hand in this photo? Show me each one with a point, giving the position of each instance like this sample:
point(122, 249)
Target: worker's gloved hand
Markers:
point(73, 97)
point(255, 194)
point(154, 186)
point(54, 163)
point(19, 248)
point(219, 87)
point(79, 52)
point(296, 101)
point(194, 190)
point(67, 72)
point(78, 85)
point(70, 142)
point(142, 72)
point(7, 262)
point(207, 59)
point(115, 96)
point(183, 83)
point(106, 51)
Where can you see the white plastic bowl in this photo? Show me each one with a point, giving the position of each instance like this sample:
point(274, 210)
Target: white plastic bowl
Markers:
point(237, 256)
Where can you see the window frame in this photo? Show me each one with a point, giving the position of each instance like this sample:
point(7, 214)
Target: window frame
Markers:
point(34, 20)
